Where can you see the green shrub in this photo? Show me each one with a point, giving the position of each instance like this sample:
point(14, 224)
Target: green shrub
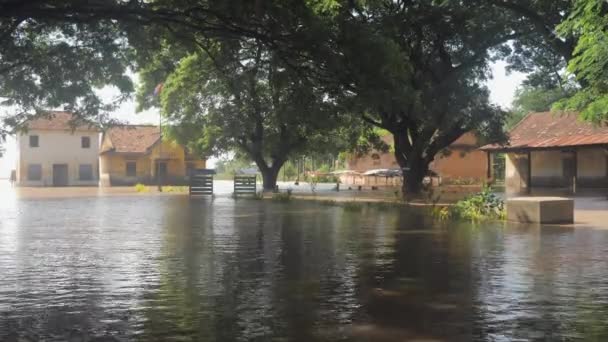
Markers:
point(484, 205)
point(141, 188)
point(175, 188)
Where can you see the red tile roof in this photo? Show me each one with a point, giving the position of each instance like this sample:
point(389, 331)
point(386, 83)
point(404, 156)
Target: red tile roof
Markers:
point(547, 129)
point(132, 138)
point(59, 121)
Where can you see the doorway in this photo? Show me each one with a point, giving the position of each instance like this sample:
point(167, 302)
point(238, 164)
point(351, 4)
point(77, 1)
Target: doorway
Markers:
point(161, 170)
point(569, 170)
point(60, 174)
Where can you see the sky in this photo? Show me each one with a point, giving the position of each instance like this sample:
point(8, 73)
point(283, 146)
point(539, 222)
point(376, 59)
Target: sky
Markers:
point(502, 89)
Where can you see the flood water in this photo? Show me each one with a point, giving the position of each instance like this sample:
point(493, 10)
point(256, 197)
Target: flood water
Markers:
point(167, 268)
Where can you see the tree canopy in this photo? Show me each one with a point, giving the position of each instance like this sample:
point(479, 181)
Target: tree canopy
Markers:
point(416, 70)
point(226, 95)
point(567, 41)
point(589, 22)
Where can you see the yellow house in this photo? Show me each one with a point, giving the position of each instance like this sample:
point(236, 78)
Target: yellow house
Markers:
point(133, 154)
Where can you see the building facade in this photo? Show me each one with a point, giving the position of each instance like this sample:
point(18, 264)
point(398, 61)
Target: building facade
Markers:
point(555, 152)
point(461, 162)
point(53, 152)
point(133, 154)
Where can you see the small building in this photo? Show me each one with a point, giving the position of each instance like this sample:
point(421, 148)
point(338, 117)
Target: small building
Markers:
point(554, 152)
point(54, 152)
point(461, 162)
point(133, 154)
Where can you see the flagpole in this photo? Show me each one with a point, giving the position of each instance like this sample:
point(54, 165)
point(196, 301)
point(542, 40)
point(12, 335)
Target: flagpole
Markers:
point(157, 91)
point(160, 148)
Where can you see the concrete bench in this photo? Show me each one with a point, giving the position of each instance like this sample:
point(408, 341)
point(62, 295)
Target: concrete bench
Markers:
point(540, 210)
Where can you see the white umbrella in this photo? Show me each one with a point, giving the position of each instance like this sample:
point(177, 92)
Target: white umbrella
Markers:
point(376, 172)
point(345, 172)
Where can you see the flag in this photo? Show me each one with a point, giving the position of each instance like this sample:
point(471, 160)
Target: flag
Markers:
point(158, 89)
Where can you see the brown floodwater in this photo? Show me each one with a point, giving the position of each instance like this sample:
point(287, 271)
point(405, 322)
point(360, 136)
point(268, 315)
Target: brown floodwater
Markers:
point(167, 268)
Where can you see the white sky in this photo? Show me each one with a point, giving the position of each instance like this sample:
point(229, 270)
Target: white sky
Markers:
point(502, 88)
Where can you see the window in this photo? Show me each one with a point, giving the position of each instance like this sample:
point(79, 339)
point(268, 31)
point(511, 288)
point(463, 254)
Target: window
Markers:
point(34, 172)
point(376, 159)
point(131, 169)
point(189, 169)
point(85, 142)
point(85, 172)
point(34, 141)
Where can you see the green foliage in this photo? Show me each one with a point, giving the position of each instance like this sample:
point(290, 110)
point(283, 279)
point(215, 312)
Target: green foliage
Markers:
point(176, 189)
point(230, 166)
point(535, 99)
point(589, 22)
point(420, 77)
point(141, 188)
point(370, 139)
point(441, 213)
point(312, 181)
point(58, 56)
point(289, 170)
point(481, 206)
point(238, 95)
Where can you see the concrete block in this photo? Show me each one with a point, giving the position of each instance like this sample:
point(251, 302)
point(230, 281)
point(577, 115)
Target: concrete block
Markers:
point(540, 210)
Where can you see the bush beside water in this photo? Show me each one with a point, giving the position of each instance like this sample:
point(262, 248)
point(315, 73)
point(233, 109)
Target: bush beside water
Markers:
point(141, 188)
point(484, 205)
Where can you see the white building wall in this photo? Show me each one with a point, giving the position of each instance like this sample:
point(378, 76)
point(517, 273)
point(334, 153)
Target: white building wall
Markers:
point(57, 147)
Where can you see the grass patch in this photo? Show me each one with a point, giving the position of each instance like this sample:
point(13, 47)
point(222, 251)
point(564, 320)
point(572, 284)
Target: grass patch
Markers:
point(141, 188)
point(281, 196)
point(170, 188)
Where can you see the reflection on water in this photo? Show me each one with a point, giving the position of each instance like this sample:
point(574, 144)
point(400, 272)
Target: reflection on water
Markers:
point(169, 268)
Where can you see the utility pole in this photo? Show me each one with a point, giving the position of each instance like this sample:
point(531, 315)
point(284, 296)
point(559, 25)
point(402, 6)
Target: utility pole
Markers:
point(157, 91)
point(160, 149)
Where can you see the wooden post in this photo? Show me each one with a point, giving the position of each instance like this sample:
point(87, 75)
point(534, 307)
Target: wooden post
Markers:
point(488, 166)
point(574, 180)
point(529, 185)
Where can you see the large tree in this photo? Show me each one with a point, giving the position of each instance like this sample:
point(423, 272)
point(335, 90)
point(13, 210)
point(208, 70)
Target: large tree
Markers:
point(238, 95)
point(416, 69)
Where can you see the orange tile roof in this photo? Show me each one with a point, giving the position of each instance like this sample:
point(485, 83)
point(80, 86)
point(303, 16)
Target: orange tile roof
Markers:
point(132, 138)
point(547, 129)
point(60, 121)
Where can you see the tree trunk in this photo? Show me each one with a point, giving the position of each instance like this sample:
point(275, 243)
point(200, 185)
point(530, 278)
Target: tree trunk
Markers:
point(269, 177)
point(412, 178)
point(413, 164)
